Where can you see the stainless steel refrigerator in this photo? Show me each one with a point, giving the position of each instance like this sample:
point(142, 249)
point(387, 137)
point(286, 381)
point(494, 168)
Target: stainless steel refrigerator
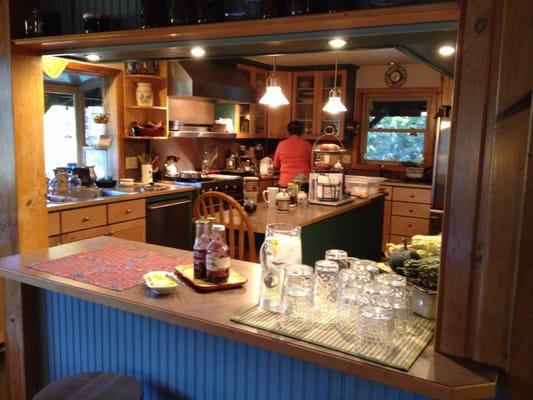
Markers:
point(440, 170)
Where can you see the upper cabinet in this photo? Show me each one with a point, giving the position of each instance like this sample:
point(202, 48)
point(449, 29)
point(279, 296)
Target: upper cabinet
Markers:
point(253, 117)
point(310, 94)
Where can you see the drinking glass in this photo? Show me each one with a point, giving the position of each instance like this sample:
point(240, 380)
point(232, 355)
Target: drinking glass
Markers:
point(339, 256)
point(376, 294)
point(370, 266)
point(348, 294)
point(282, 246)
point(326, 274)
point(297, 297)
point(374, 327)
point(401, 301)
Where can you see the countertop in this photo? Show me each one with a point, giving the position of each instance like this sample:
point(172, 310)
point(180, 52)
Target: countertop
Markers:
point(433, 374)
point(133, 193)
point(303, 216)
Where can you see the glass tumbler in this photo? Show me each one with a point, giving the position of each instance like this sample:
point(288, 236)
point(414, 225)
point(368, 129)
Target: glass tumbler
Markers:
point(348, 294)
point(374, 327)
point(326, 274)
point(297, 297)
point(339, 256)
point(401, 301)
point(370, 266)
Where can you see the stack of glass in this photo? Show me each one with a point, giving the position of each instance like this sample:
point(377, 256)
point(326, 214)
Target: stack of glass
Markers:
point(366, 307)
point(401, 302)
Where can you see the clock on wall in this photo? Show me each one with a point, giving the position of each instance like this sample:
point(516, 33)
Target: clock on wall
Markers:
point(395, 76)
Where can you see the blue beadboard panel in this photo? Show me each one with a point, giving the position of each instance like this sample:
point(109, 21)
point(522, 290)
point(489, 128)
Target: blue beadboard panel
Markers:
point(173, 362)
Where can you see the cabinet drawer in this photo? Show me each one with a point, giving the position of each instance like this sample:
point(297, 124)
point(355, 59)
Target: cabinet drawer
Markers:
point(126, 210)
point(412, 195)
point(85, 234)
point(54, 225)
point(388, 191)
point(410, 209)
point(398, 239)
point(406, 226)
point(83, 218)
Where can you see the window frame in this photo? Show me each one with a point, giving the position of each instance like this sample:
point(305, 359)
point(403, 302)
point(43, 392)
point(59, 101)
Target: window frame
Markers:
point(365, 96)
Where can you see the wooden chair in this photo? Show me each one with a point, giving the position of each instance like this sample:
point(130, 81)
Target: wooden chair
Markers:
point(228, 212)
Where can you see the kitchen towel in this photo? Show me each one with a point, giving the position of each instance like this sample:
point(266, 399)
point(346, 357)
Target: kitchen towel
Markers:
point(400, 354)
point(113, 267)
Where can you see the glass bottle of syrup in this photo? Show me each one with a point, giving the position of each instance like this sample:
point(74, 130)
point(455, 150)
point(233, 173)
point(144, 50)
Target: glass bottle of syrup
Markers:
point(218, 259)
point(201, 243)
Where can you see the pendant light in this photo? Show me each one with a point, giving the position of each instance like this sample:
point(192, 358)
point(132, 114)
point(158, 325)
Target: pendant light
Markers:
point(273, 96)
point(334, 104)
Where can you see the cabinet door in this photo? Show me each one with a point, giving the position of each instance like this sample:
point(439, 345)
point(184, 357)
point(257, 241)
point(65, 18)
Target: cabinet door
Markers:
point(131, 230)
point(327, 83)
point(278, 118)
point(260, 112)
point(304, 94)
point(84, 234)
point(386, 223)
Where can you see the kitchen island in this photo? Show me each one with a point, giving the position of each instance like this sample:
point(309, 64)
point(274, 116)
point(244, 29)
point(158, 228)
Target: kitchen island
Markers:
point(185, 346)
point(355, 227)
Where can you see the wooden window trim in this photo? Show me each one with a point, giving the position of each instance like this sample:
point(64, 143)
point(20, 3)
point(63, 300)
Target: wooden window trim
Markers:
point(362, 99)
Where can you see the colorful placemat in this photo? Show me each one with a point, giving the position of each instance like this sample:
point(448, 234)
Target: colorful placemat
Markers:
point(113, 267)
point(400, 353)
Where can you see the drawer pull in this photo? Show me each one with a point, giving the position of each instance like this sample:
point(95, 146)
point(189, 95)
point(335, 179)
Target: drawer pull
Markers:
point(410, 211)
point(128, 211)
point(412, 196)
point(410, 226)
point(86, 219)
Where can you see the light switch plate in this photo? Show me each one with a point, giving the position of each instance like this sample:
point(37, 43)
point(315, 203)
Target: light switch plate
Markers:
point(131, 163)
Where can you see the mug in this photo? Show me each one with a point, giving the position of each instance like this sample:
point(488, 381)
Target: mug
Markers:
point(269, 195)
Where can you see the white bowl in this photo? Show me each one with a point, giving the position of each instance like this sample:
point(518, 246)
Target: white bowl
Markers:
point(166, 289)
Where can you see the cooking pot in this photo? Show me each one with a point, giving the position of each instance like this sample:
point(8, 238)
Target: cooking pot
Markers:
point(190, 174)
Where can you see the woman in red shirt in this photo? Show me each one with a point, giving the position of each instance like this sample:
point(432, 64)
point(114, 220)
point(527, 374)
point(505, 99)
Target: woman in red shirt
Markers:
point(293, 155)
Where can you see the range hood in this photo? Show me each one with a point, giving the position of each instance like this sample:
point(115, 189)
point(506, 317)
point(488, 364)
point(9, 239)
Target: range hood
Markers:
point(209, 80)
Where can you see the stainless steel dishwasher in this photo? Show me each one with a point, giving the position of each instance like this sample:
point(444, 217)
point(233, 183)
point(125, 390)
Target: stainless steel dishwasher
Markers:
point(169, 222)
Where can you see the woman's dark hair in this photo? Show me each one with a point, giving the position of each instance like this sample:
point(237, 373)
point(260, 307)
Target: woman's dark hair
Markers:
point(295, 128)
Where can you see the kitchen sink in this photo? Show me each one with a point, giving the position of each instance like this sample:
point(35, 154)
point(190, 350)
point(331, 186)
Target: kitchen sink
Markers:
point(85, 194)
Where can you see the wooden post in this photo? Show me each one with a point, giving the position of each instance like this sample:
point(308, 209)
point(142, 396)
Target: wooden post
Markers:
point(23, 215)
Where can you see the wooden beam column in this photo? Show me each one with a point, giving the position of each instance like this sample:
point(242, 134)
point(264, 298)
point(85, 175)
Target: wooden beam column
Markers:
point(23, 214)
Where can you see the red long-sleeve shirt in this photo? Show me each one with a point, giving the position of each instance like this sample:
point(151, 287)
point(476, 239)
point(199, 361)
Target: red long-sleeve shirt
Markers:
point(292, 157)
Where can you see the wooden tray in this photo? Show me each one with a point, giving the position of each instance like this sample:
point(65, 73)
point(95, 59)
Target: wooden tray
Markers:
point(186, 271)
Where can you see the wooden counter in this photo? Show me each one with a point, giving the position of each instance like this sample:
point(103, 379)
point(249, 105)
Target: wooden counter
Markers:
point(303, 216)
point(433, 374)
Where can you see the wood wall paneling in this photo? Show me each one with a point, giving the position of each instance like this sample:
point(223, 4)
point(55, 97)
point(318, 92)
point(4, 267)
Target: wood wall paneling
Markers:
point(473, 67)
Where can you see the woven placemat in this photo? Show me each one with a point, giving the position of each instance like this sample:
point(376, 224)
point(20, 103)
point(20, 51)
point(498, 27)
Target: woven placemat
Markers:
point(400, 354)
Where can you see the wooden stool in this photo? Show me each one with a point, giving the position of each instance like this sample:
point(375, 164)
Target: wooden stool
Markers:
point(92, 386)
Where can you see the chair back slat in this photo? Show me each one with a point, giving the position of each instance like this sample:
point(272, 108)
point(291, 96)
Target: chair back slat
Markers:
point(227, 211)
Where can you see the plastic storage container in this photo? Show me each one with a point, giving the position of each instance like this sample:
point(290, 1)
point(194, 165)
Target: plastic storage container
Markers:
point(362, 186)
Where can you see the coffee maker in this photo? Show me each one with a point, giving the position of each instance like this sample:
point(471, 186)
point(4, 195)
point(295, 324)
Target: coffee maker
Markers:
point(326, 181)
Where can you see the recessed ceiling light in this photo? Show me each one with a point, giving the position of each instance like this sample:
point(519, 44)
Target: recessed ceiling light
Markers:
point(93, 57)
point(337, 43)
point(197, 52)
point(446, 50)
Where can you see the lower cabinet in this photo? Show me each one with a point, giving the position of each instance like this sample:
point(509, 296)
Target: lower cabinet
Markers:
point(124, 220)
point(406, 212)
point(130, 230)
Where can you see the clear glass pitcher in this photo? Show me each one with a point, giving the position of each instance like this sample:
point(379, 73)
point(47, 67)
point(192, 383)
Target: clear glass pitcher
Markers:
point(282, 246)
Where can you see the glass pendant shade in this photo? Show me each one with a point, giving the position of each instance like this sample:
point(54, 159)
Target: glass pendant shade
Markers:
point(334, 104)
point(273, 96)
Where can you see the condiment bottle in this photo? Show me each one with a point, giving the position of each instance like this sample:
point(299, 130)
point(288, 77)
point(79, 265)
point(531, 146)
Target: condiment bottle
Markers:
point(201, 243)
point(283, 200)
point(218, 260)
